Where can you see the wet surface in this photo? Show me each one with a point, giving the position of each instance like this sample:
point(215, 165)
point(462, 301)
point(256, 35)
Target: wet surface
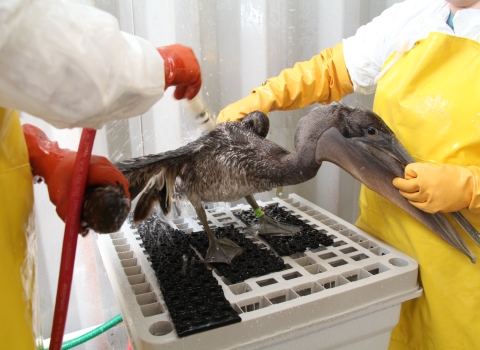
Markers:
point(193, 297)
point(307, 238)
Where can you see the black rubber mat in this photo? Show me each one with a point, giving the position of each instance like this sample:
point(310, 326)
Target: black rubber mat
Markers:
point(308, 237)
point(253, 262)
point(194, 299)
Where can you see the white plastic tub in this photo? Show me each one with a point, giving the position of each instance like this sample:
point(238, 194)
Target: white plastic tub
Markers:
point(345, 297)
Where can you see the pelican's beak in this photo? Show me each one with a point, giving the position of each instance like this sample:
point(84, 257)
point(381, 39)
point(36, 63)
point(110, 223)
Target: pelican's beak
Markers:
point(376, 162)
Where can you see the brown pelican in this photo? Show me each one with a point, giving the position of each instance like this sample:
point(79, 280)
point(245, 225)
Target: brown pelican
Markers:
point(235, 160)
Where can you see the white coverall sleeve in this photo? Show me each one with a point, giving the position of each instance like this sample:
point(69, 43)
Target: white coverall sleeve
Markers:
point(396, 29)
point(70, 65)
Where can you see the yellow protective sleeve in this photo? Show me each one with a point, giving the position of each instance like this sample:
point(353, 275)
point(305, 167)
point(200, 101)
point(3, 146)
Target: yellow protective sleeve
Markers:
point(441, 187)
point(17, 247)
point(323, 79)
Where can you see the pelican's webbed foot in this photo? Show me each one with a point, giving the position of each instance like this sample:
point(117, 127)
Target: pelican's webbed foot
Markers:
point(219, 250)
point(269, 227)
point(222, 251)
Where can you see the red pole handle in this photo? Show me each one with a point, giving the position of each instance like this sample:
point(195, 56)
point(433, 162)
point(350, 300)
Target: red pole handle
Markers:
point(72, 222)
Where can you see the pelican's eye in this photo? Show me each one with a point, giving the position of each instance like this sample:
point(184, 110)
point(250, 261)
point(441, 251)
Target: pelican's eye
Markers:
point(371, 130)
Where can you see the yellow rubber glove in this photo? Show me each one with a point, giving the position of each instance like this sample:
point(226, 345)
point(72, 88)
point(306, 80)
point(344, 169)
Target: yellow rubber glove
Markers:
point(323, 79)
point(441, 188)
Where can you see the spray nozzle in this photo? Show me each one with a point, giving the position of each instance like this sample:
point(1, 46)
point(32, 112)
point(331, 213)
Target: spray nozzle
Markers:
point(202, 117)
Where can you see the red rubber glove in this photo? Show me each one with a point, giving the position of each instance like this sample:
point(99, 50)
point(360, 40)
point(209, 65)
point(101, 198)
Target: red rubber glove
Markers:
point(55, 166)
point(181, 70)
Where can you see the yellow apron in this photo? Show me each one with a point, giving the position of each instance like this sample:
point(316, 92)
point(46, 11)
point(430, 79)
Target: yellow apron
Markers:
point(430, 98)
point(17, 268)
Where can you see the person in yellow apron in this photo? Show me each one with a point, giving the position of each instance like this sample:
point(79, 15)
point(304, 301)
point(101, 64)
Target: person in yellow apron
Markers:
point(25, 152)
point(70, 65)
point(423, 58)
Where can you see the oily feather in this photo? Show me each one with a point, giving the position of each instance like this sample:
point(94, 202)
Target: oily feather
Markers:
point(222, 157)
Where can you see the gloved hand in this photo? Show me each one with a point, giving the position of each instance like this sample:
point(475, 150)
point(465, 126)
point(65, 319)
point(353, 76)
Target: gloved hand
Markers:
point(323, 79)
point(181, 70)
point(55, 166)
point(441, 188)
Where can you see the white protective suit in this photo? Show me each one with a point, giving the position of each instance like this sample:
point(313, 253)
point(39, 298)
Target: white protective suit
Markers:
point(118, 75)
point(397, 30)
point(101, 74)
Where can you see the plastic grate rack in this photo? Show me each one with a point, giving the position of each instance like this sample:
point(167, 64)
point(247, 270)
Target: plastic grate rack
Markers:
point(194, 299)
point(344, 296)
point(180, 272)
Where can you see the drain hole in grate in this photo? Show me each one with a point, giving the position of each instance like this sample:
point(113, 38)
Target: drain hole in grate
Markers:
point(151, 309)
point(303, 292)
point(338, 263)
point(282, 296)
point(250, 307)
point(377, 268)
point(319, 249)
point(359, 257)
point(327, 256)
point(307, 289)
point(267, 282)
point(279, 299)
point(252, 304)
point(348, 250)
point(240, 288)
point(292, 275)
point(328, 285)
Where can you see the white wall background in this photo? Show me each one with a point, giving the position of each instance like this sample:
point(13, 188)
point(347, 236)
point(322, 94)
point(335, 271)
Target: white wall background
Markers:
point(239, 44)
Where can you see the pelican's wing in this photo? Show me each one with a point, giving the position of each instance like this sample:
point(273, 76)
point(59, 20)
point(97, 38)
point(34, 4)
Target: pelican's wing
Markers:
point(156, 174)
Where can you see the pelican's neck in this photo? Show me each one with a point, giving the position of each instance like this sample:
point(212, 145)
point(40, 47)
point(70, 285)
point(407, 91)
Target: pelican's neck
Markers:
point(300, 165)
point(302, 160)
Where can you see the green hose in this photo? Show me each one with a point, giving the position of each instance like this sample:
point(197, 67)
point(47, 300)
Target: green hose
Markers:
point(92, 334)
